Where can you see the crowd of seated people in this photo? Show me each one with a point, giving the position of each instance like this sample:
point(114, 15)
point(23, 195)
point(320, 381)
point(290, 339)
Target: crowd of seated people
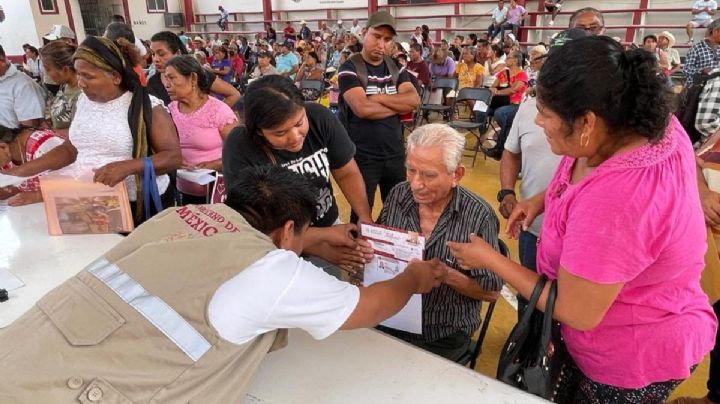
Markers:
point(231, 106)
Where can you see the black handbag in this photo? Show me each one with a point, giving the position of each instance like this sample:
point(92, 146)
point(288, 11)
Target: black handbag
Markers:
point(534, 356)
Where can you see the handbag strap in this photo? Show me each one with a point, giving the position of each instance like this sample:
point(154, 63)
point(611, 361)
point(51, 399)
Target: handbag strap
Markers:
point(546, 332)
point(532, 303)
point(151, 194)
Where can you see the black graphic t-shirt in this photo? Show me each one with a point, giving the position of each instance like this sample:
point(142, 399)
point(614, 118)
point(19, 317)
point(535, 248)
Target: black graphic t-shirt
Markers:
point(327, 147)
point(377, 139)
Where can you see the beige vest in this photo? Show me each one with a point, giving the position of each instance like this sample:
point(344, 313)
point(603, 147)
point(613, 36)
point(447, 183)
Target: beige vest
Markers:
point(133, 326)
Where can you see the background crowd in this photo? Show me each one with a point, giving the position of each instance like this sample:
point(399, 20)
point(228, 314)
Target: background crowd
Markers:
point(612, 169)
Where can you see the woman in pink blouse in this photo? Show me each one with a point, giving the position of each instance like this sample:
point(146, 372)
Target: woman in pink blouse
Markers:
point(622, 229)
point(203, 122)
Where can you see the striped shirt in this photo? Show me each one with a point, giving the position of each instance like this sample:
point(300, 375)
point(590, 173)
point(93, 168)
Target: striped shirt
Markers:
point(444, 310)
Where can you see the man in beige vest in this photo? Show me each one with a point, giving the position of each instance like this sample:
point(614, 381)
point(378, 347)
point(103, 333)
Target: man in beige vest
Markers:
point(186, 307)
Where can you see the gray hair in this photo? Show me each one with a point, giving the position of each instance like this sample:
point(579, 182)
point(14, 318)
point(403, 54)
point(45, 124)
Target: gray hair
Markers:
point(437, 134)
point(714, 26)
point(586, 10)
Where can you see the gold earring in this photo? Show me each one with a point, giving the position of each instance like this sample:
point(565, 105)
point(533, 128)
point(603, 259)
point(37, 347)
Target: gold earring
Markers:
point(584, 139)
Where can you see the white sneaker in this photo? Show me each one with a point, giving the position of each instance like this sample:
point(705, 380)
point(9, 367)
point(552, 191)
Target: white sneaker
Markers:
point(551, 23)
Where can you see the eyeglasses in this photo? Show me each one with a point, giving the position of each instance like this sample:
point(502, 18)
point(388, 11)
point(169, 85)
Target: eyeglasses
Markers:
point(593, 29)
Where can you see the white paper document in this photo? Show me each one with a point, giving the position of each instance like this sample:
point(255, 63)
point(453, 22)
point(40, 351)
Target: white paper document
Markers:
point(11, 180)
point(202, 176)
point(393, 249)
point(480, 106)
point(9, 281)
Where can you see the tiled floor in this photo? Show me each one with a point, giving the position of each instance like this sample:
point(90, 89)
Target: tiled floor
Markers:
point(483, 179)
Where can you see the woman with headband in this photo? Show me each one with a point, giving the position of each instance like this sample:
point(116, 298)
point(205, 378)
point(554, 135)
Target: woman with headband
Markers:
point(117, 123)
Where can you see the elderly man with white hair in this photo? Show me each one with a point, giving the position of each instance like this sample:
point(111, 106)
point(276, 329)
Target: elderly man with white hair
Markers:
point(433, 203)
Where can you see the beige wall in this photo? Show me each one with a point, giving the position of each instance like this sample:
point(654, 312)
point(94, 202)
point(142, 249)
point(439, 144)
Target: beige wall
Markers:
point(146, 24)
point(44, 22)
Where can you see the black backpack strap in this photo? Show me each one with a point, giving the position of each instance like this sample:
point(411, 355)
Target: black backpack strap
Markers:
point(394, 70)
point(360, 69)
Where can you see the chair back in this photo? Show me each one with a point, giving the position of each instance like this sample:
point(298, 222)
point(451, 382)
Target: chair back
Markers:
point(312, 84)
point(474, 94)
point(449, 83)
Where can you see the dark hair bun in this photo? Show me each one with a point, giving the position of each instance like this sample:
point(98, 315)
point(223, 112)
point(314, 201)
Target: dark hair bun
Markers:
point(205, 80)
point(624, 88)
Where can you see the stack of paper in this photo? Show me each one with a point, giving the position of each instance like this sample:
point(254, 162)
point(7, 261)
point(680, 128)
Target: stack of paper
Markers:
point(202, 176)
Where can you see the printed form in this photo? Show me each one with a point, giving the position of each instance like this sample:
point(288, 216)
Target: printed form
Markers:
point(394, 249)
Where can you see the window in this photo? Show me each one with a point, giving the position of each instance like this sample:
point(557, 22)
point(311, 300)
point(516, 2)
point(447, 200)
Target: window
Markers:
point(156, 6)
point(48, 6)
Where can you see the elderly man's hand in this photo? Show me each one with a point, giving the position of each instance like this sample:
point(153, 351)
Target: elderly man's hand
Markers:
point(426, 274)
point(455, 279)
point(470, 255)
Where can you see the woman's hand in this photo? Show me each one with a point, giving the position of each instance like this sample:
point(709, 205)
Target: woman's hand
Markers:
point(112, 174)
point(7, 192)
point(474, 254)
point(341, 247)
point(26, 198)
point(524, 215)
point(215, 165)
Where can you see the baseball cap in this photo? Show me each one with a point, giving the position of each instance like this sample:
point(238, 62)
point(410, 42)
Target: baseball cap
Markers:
point(382, 18)
point(303, 22)
point(339, 21)
point(59, 31)
point(263, 54)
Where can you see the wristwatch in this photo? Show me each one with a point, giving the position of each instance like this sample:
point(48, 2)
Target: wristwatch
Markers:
point(503, 193)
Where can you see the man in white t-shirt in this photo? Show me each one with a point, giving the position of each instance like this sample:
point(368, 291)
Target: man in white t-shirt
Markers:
point(190, 303)
point(356, 28)
point(499, 15)
point(702, 15)
point(526, 147)
point(281, 290)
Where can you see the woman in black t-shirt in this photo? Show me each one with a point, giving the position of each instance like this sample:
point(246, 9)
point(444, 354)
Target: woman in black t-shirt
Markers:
point(282, 129)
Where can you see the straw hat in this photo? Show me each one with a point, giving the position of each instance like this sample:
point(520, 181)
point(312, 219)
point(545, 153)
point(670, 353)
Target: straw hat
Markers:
point(670, 37)
point(303, 22)
point(539, 50)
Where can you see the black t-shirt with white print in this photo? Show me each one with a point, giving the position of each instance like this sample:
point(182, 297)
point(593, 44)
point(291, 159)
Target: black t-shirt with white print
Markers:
point(326, 147)
point(378, 139)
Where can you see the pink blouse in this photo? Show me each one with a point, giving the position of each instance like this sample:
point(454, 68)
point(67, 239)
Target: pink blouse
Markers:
point(636, 219)
point(200, 139)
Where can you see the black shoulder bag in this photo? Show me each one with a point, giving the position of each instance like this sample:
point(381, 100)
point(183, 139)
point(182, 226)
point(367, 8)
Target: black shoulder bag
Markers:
point(534, 356)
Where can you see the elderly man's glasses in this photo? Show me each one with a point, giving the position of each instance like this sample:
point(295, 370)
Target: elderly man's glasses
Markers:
point(593, 29)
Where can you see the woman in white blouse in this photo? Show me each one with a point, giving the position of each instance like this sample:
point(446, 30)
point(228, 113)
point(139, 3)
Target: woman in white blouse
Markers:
point(117, 123)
